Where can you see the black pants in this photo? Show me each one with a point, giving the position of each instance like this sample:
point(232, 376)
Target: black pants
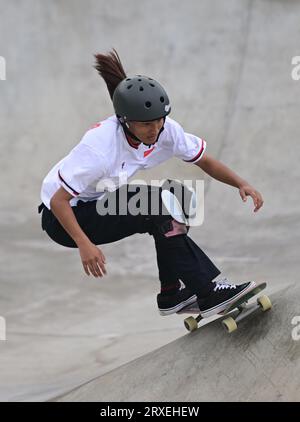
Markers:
point(178, 257)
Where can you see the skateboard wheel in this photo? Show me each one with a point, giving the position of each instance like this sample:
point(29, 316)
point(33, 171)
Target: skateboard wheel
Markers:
point(229, 324)
point(264, 302)
point(190, 324)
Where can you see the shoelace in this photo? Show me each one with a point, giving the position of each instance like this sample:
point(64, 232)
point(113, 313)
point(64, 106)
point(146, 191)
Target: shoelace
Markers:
point(224, 284)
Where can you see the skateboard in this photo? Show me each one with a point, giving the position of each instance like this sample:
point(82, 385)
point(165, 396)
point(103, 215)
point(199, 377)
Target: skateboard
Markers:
point(239, 309)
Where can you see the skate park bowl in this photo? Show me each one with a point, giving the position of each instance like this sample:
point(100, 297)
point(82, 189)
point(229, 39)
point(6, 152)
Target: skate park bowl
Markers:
point(230, 69)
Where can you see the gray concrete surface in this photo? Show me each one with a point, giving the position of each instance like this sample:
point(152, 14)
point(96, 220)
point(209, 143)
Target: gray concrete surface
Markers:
point(227, 68)
point(256, 363)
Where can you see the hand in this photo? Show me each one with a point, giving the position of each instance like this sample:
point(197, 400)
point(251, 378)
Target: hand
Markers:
point(92, 259)
point(247, 190)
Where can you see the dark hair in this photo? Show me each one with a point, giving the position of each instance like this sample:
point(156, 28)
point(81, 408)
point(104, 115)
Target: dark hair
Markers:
point(109, 66)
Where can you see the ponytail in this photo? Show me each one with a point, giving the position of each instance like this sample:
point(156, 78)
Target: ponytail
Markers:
point(109, 66)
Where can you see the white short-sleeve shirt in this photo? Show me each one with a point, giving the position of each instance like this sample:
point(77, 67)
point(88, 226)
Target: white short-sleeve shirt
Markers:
point(106, 157)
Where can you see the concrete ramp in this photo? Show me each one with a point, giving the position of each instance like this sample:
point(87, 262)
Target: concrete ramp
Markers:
point(227, 67)
point(259, 362)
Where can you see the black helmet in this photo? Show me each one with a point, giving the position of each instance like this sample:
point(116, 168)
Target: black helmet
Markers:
point(141, 99)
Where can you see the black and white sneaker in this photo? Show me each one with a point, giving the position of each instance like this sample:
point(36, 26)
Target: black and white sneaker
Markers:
point(223, 294)
point(170, 304)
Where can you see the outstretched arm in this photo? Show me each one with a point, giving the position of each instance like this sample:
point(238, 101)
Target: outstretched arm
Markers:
point(219, 171)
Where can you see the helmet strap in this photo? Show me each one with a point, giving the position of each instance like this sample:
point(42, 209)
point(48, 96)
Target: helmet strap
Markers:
point(129, 133)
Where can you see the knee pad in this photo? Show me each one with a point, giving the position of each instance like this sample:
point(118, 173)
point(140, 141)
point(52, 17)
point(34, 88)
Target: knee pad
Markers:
point(174, 199)
point(178, 200)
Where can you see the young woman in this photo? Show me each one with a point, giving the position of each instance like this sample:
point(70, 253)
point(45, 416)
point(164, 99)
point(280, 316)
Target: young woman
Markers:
point(138, 136)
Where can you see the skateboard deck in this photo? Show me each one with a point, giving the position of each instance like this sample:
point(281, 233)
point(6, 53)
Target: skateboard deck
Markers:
point(240, 306)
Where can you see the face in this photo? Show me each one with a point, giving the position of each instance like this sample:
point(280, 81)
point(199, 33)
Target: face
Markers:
point(146, 131)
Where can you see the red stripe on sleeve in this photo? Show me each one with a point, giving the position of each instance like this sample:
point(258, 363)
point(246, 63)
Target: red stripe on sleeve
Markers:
point(198, 155)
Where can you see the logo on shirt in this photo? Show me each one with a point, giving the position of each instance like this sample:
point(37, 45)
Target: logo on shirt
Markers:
point(123, 164)
point(95, 125)
point(146, 153)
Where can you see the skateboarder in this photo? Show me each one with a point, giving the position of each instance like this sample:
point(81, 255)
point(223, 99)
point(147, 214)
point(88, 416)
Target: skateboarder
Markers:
point(140, 135)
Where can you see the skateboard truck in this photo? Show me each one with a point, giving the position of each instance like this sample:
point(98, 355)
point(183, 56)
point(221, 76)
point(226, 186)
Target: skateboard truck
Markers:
point(230, 323)
point(243, 309)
